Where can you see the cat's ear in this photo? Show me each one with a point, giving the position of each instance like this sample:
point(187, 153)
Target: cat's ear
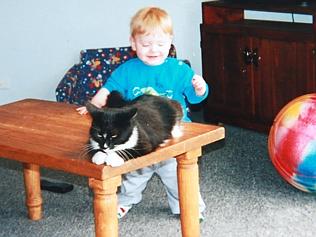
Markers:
point(115, 100)
point(92, 109)
point(130, 113)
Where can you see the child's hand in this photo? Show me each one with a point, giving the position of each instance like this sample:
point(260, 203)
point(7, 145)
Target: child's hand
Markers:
point(98, 100)
point(82, 110)
point(199, 85)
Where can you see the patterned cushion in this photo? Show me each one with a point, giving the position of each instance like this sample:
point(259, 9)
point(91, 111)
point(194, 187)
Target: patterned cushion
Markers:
point(84, 79)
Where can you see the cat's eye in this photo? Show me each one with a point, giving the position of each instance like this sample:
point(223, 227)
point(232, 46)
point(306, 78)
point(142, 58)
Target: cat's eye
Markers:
point(114, 136)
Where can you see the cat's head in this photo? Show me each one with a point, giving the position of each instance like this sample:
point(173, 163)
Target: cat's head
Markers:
point(111, 127)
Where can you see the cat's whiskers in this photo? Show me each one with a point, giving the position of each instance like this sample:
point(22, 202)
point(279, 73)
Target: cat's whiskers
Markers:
point(127, 155)
point(131, 156)
point(136, 151)
point(85, 150)
point(124, 155)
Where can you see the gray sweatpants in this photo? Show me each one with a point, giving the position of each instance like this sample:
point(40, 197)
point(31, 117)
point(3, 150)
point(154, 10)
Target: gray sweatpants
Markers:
point(135, 182)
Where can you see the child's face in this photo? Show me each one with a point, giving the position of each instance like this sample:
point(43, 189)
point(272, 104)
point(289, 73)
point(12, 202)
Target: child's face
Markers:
point(152, 48)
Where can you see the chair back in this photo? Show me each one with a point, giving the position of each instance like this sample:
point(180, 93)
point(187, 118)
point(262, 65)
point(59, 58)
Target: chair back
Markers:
point(83, 80)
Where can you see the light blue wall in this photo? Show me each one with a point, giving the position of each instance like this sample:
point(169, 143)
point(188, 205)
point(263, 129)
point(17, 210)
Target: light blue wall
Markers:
point(40, 40)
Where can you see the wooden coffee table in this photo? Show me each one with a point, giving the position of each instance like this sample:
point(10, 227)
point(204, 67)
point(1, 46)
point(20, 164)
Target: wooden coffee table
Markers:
point(48, 134)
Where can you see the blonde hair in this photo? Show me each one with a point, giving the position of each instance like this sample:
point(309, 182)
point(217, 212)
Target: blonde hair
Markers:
point(149, 19)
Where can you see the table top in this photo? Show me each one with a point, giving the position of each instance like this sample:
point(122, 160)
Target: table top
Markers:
point(53, 135)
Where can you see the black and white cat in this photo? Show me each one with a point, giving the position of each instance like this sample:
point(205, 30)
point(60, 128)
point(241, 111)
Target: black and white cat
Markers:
point(125, 130)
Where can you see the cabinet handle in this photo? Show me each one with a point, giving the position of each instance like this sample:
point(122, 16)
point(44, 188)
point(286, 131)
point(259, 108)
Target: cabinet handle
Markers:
point(251, 57)
point(255, 57)
point(247, 55)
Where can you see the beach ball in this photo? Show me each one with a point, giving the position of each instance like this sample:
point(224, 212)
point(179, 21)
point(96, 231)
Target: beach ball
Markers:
point(292, 143)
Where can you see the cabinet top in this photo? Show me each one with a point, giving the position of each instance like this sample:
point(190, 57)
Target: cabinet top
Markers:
point(291, 6)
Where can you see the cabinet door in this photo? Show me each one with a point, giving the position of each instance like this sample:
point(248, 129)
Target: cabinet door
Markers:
point(227, 75)
point(286, 70)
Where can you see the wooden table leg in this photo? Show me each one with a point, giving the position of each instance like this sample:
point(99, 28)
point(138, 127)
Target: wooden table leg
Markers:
point(33, 195)
point(105, 206)
point(188, 184)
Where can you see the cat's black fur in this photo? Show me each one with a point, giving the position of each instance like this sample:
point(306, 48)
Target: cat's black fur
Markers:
point(154, 117)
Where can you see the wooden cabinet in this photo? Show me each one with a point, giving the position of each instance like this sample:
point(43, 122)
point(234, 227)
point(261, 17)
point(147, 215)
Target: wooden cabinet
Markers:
point(255, 67)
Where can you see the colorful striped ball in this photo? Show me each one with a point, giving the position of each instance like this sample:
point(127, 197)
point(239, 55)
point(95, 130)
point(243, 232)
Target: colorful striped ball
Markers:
point(292, 143)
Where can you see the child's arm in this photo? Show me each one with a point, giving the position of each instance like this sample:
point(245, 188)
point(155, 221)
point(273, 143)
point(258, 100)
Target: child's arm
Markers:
point(199, 85)
point(98, 100)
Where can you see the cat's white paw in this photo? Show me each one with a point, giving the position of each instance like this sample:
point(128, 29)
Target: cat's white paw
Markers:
point(176, 131)
point(111, 159)
point(99, 158)
point(114, 160)
point(164, 143)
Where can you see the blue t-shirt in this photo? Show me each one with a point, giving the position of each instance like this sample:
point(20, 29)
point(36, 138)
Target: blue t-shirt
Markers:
point(171, 79)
